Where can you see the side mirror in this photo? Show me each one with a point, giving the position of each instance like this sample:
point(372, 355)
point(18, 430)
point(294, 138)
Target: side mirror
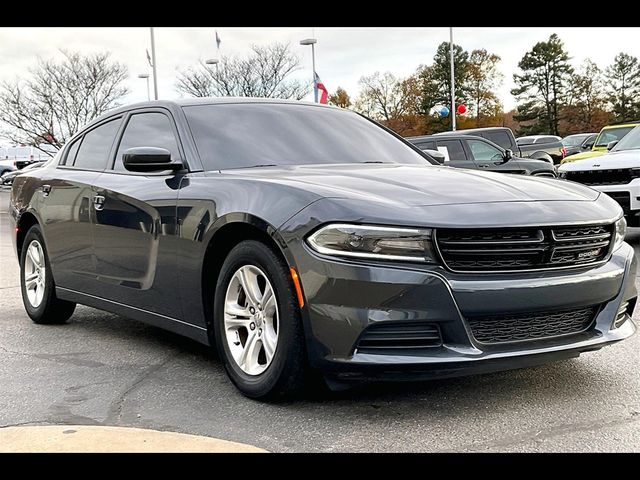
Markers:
point(612, 144)
point(508, 155)
point(437, 155)
point(149, 159)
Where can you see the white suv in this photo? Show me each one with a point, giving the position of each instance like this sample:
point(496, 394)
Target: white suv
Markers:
point(617, 173)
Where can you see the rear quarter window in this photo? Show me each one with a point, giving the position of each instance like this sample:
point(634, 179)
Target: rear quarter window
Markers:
point(499, 137)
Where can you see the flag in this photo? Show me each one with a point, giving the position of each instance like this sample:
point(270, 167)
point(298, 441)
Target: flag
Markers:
point(149, 58)
point(218, 41)
point(320, 86)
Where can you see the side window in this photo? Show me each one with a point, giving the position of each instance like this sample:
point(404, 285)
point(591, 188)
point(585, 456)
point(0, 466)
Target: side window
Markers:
point(72, 151)
point(484, 152)
point(499, 137)
point(426, 145)
point(454, 150)
point(93, 153)
point(147, 130)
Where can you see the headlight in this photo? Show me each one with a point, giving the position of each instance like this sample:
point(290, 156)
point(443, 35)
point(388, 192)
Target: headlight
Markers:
point(621, 231)
point(371, 242)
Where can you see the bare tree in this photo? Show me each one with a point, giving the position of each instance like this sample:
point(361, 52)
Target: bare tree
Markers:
point(60, 97)
point(265, 72)
point(385, 97)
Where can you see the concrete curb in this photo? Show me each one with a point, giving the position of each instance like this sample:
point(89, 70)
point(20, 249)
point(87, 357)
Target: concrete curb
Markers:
point(94, 439)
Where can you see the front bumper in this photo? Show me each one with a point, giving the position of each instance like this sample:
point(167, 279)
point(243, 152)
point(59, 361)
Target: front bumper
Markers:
point(344, 298)
point(632, 188)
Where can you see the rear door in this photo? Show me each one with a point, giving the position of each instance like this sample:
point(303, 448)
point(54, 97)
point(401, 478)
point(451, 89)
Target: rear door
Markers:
point(66, 206)
point(135, 224)
point(455, 154)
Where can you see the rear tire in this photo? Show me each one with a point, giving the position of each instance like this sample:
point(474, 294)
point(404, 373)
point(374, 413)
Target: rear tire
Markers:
point(261, 344)
point(36, 283)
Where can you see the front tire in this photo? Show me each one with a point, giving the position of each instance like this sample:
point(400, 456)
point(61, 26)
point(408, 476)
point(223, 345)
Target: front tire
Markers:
point(36, 283)
point(257, 323)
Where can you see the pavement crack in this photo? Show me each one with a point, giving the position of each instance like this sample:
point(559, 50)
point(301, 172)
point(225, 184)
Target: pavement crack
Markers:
point(115, 409)
point(539, 435)
point(22, 424)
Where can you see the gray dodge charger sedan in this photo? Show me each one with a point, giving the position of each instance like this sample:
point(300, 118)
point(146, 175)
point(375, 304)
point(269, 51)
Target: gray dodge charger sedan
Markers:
point(300, 239)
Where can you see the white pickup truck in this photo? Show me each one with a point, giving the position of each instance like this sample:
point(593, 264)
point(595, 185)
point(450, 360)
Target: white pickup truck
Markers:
point(617, 173)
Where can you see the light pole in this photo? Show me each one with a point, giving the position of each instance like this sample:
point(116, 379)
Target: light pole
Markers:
point(153, 65)
point(312, 42)
point(453, 82)
point(146, 76)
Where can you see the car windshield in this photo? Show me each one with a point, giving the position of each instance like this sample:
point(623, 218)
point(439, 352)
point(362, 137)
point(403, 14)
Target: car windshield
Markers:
point(631, 141)
point(573, 140)
point(611, 134)
point(243, 135)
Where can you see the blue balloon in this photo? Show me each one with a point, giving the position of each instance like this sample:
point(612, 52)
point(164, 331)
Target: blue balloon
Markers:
point(444, 112)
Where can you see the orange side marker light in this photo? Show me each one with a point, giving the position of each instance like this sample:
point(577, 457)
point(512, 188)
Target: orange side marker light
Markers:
point(297, 286)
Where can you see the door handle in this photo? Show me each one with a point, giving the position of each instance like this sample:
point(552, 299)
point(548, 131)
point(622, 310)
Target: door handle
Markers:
point(46, 190)
point(98, 202)
point(483, 166)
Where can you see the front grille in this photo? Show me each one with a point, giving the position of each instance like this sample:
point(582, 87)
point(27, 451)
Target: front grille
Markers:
point(617, 176)
point(531, 326)
point(399, 335)
point(623, 198)
point(466, 250)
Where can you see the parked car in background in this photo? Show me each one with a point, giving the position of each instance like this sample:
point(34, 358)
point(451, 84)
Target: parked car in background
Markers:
point(617, 174)
point(470, 151)
point(7, 178)
point(531, 139)
point(604, 141)
point(301, 238)
point(551, 151)
point(578, 142)
point(6, 166)
point(23, 155)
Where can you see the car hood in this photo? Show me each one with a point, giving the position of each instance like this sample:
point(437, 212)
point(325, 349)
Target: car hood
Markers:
point(416, 185)
point(621, 159)
point(583, 155)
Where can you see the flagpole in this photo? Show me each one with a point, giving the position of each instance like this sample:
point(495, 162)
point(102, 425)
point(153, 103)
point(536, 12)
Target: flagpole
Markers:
point(312, 42)
point(153, 60)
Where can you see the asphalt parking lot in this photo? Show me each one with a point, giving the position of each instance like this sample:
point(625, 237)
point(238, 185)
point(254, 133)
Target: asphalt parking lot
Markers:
point(103, 369)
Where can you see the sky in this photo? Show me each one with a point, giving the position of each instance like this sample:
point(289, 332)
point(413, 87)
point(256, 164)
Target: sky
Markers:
point(343, 54)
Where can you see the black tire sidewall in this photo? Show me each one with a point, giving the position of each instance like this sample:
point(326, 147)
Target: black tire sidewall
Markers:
point(36, 313)
point(288, 350)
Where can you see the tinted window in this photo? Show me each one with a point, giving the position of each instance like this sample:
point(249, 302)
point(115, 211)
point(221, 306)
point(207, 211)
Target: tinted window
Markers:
point(71, 153)
point(573, 140)
point(611, 134)
point(245, 135)
point(426, 145)
point(148, 130)
point(452, 149)
point(498, 136)
point(94, 150)
point(483, 151)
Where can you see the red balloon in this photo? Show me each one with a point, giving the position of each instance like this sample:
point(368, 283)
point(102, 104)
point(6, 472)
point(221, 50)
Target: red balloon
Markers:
point(461, 109)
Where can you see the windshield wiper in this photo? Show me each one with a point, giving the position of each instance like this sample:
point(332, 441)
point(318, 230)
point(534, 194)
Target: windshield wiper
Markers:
point(375, 161)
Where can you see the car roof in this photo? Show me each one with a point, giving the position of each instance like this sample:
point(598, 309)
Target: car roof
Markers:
point(621, 125)
point(183, 102)
point(435, 136)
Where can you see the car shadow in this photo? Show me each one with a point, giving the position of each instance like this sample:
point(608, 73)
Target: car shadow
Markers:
point(500, 390)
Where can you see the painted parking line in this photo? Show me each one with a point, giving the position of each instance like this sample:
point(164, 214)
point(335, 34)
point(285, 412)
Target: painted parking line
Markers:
point(97, 439)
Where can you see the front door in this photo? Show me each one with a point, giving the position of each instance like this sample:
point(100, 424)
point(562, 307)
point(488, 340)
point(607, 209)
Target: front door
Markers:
point(135, 223)
point(491, 158)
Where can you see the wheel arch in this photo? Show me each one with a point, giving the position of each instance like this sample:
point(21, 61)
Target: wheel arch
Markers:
point(228, 232)
point(541, 156)
point(25, 222)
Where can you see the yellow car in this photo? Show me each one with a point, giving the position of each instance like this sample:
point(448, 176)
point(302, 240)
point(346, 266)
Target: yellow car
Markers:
point(610, 133)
